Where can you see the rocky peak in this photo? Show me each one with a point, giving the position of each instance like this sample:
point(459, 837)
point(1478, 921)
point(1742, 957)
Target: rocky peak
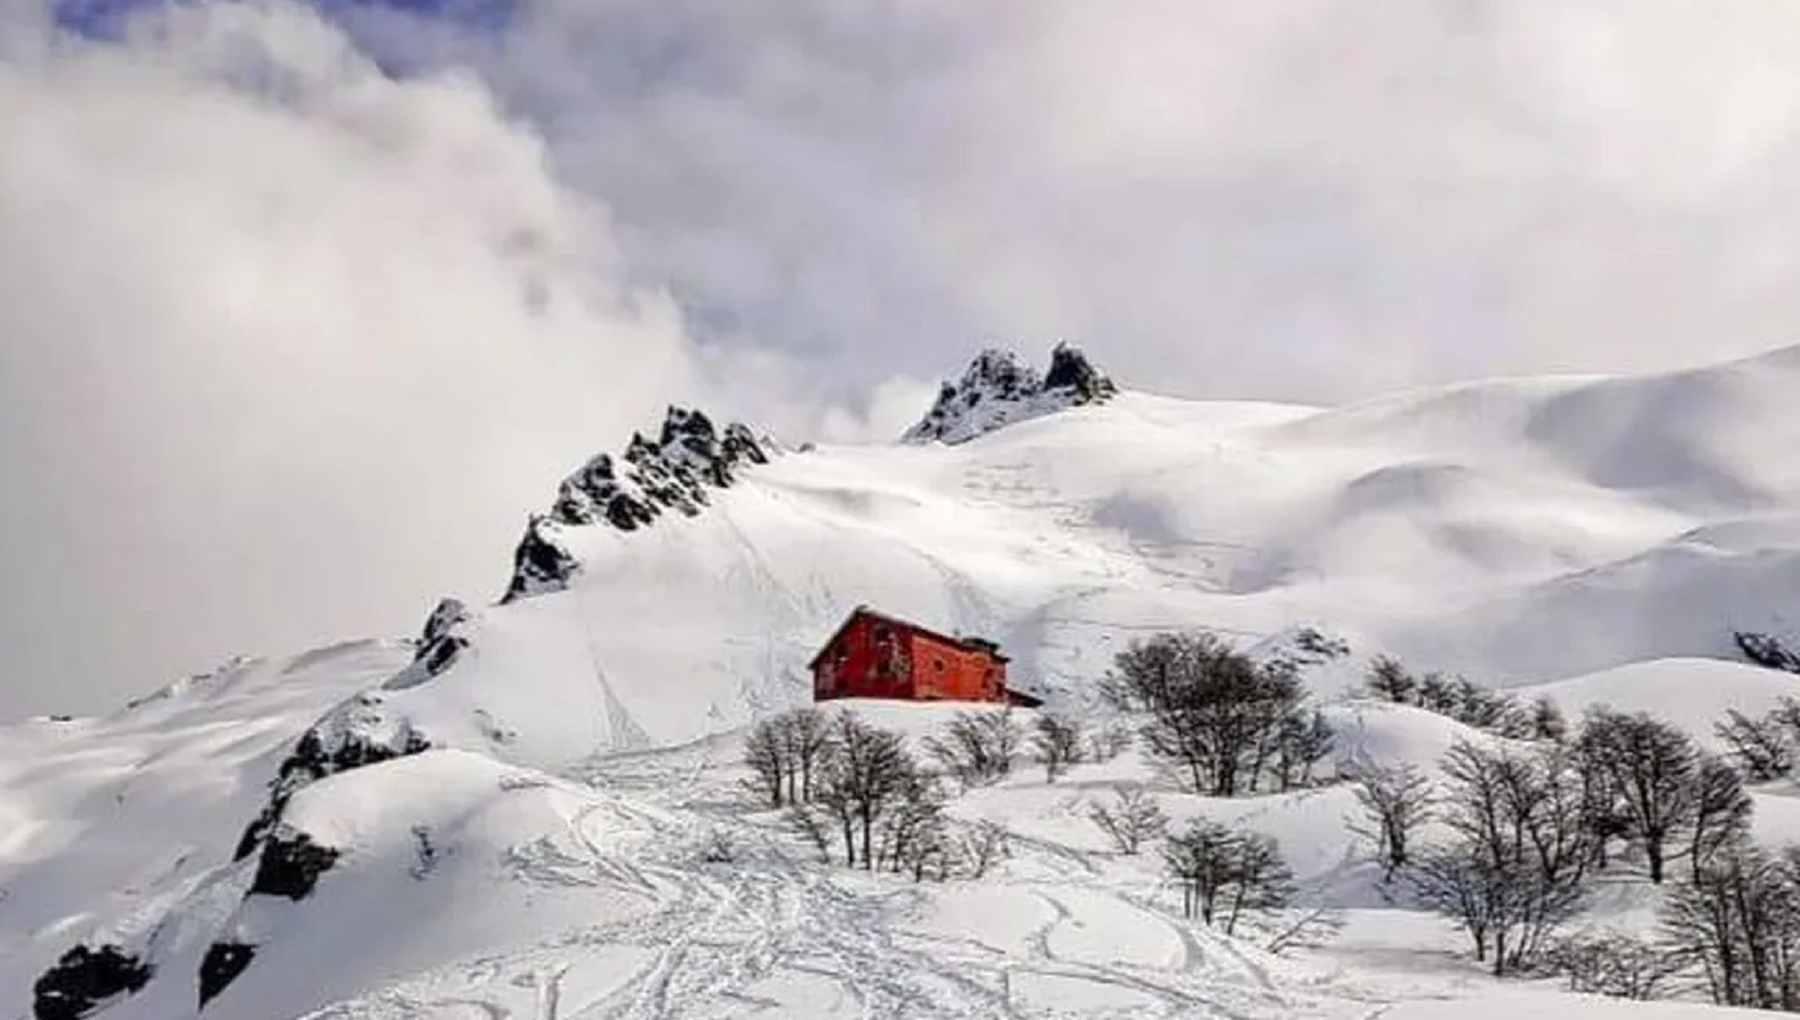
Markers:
point(1073, 374)
point(689, 457)
point(997, 390)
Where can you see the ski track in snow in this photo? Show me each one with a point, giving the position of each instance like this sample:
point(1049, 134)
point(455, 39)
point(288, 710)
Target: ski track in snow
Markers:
point(720, 934)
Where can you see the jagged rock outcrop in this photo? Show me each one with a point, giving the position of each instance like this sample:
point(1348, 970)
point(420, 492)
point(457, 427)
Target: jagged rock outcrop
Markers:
point(223, 963)
point(675, 471)
point(357, 733)
point(540, 563)
point(441, 642)
point(84, 979)
point(998, 390)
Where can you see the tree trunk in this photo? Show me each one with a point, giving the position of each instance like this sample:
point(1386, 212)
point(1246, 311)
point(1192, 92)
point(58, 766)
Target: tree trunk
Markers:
point(868, 833)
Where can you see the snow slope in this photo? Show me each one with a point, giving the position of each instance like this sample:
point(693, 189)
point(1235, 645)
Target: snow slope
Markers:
point(518, 804)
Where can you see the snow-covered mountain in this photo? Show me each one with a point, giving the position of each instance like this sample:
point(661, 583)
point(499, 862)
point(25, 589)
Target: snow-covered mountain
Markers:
point(510, 813)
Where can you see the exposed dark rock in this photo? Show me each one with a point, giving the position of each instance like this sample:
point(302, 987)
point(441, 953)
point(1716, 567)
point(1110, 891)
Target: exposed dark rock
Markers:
point(1767, 651)
point(84, 978)
point(359, 732)
point(997, 390)
point(675, 471)
point(540, 564)
point(223, 963)
point(596, 493)
point(442, 639)
point(290, 865)
point(1071, 371)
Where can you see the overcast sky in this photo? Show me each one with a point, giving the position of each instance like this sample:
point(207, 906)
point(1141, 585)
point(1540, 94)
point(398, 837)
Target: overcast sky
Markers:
point(301, 313)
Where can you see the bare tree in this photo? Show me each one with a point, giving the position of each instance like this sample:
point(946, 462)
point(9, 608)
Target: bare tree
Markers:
point(867, 772)
point(1396, 800)
point(1738, 924)
point(765, 754)
point(1721, 812)
point(784, 751)
point(1302, 742)
point(1461, 699)
point(1387, 679)
point(914, 835)
point(1547, 721)
point(1057, 742)
point(1653, 769)
point(1133, 820)
point(807, 734)
point(1484, 709)
point(1764, 746)
point(1517, 865)
point(1437, 693)
point(1226, 874)
point(1213, 712)
point(977, 747)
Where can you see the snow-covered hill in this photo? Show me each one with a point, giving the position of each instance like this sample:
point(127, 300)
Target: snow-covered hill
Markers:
point(510, 814)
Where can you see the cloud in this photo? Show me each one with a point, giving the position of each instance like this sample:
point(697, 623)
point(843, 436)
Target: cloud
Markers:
point(286, 347)
point(1312, 200)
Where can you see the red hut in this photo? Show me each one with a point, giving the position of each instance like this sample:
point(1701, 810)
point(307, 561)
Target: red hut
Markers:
point(873, 655)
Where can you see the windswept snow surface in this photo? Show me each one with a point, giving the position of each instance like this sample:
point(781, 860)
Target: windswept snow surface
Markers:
point(548, 850)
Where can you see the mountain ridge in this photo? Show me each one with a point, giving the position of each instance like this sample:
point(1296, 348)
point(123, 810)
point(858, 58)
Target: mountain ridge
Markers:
point(1521, 531)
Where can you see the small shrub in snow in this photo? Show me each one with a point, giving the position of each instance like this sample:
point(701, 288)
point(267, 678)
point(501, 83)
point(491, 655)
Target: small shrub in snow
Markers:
point(1319, 645)
point(984, 845)
point(977, 747)
point(1226, 875)
point(1109, 739)
point(812, 828)
point(718, 848)
point(425, 853)
point(1132, 820)
point(1057, 743)
point(1619, 964)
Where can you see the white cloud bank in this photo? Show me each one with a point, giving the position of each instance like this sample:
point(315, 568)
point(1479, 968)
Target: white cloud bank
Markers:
point(1307, 199)
point(286, 347)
